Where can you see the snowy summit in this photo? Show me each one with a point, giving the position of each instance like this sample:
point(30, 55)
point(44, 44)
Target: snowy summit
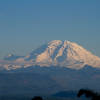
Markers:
point(64, 54)
point(55, 53)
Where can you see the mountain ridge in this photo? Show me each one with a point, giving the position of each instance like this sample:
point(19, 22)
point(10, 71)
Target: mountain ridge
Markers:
point(56, 53)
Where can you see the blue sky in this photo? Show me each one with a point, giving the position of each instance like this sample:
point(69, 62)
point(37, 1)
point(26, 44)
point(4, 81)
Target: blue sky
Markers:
point(27, 24)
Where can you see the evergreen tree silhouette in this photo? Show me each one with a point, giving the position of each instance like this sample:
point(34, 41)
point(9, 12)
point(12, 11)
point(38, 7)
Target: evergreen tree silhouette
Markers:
point(37, 98)
point(89, 94)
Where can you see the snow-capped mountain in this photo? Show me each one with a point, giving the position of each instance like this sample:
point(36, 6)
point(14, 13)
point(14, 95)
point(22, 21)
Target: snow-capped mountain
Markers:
point(56, 53)
point(64, 54)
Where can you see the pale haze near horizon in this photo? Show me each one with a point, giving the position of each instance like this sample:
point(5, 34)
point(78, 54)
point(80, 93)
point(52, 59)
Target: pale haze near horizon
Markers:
point(27, 24)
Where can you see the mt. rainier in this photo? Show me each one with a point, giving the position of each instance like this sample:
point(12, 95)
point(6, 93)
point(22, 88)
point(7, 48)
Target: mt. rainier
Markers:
point(64, 54)
point(58, 53)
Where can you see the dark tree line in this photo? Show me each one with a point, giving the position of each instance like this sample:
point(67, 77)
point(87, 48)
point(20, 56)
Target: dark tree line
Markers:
point(87, 93)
